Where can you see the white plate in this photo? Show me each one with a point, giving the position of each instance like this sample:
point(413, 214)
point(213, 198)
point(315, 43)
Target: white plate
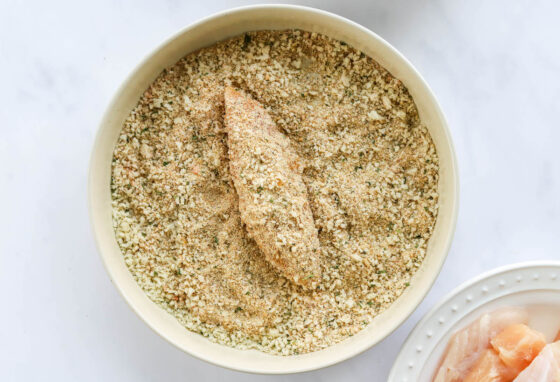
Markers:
point(534, 285)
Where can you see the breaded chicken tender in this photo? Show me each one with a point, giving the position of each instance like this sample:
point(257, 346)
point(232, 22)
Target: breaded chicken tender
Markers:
point(273, 201)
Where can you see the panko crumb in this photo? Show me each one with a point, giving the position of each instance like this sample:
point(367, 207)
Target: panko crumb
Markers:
point(370, 169)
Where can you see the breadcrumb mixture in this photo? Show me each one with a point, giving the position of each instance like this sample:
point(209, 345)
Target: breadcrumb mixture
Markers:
point(369, 166)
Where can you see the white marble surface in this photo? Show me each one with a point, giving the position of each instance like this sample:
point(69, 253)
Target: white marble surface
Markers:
point(493, 64)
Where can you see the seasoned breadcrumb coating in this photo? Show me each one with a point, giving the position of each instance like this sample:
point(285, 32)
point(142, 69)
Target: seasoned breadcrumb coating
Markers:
point(264, 168)
point(369, 166)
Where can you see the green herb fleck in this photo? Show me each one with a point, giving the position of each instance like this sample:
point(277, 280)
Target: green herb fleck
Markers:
point(246, 41)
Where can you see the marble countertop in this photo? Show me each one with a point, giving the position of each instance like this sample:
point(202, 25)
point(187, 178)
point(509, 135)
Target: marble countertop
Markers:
point(493, 65)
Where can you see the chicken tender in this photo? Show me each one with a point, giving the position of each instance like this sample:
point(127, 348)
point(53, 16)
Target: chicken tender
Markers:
point(273, 202)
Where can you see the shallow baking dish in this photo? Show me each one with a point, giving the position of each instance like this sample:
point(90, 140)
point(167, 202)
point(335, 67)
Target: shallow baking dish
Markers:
point(204, 33)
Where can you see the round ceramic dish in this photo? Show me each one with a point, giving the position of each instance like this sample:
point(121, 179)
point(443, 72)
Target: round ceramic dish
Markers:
point(204, 33)
point(534, 285)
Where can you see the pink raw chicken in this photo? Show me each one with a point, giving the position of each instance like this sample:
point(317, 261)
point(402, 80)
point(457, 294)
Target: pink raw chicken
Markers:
point(544, 368)
point(518, 345)
point(466, 346)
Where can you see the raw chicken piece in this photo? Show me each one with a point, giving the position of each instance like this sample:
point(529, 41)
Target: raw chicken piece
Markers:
point(544, 368)
point(490, 368)
point(273, 202)
point(466, 346)
point(517, 345)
